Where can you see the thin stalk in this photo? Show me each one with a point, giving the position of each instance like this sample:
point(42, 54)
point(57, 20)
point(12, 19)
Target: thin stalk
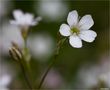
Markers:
point(60, 43)
point(45, 74)
point(25, 75)
point(25, 62)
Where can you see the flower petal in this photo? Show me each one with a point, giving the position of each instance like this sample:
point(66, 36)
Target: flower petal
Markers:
point(13, 22)
point(72, 18)
point(65, 30)
point(88, 35)
point(75, 41)
point(29, 18)
point(18, 14)
point(38, 19)
point(34, 23)
point(86, 22)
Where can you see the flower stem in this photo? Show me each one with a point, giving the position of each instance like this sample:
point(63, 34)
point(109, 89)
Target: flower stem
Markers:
point(25, 75)
point(48, 69)
point(60, 43)
point(25, 63)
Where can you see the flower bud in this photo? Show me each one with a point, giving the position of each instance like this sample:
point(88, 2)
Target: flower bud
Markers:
point(24, 32)
point(15, 53)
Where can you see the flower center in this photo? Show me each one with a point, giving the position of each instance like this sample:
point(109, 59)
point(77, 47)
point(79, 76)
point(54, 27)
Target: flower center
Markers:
point(75, 30)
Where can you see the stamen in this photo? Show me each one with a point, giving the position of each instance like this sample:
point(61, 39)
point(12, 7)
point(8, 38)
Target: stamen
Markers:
point(75, 30)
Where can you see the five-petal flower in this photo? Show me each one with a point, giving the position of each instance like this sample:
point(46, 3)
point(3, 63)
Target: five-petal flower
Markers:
point(24, 19)
point(78, 30)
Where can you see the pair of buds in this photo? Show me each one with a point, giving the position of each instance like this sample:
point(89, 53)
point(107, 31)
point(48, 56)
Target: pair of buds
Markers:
point(15, 52)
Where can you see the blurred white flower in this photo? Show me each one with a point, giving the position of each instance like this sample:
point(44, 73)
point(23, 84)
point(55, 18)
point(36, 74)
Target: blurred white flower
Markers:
point(41, 45)
point(91, 76)
point(5, 6)
point(3, 88)
point(105, 68)
point(4, 81)
point(2, 4)
point(106, 78)
point(6, 75)
point(8, 34)
point(78, 30)
point(88, 77)
point(53, 80)
point(24, 19)
point(51, 10)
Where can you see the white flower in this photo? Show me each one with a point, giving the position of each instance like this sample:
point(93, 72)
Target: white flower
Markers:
point(53, 79)
point(78, 30)
point(5, 7)
point(50, 10)
point(91, 76)
point(106, 78)
point(4, 81)
point(24, 19)
point(6, 75)
point(41, 46)
point(9, 34)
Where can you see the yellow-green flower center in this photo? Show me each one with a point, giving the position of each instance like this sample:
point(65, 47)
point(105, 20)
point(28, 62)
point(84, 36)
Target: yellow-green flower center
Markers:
point(75, 30)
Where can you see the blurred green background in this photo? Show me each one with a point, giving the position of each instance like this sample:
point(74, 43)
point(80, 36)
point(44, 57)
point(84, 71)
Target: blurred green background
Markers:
point(70, 59)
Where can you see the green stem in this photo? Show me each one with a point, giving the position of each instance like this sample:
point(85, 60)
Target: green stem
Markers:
point(60, 43)
point(25, 63)
point(25, 75)
point(45, 74)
